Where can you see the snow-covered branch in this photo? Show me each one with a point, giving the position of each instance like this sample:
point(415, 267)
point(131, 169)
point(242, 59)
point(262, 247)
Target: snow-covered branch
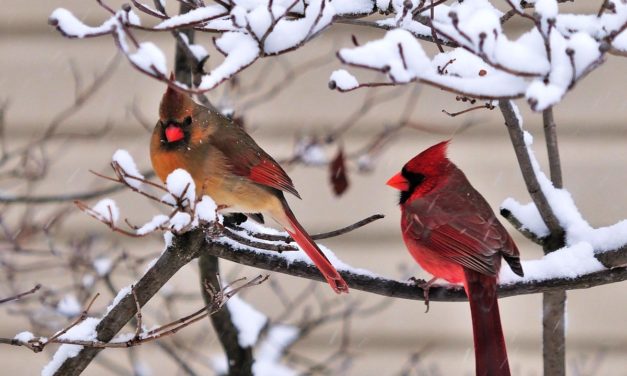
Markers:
point(541, 65)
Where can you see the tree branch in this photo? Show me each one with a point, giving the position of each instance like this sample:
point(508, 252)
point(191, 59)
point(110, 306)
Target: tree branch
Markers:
point(550, 134)
point(184, 248)
point(531, 181)
point(406, 290)
point(187, 246)
point(553, 303)
point(239, 359)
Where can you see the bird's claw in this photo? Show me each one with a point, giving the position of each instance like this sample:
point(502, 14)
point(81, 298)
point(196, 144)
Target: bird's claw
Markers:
point(425, 286)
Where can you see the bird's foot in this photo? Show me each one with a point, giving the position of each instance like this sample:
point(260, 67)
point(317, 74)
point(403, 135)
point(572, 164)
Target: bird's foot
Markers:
point(425, 286)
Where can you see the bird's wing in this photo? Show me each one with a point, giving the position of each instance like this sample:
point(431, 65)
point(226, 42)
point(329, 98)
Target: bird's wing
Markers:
point(247, 159)
point(460, 226)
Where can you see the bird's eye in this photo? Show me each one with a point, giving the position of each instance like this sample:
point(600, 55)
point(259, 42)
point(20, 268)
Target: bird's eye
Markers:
point(187, 120)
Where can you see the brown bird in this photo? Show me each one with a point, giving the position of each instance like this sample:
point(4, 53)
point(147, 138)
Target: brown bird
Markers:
point(228, 165)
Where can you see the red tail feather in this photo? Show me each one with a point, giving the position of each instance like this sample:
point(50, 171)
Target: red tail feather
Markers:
point(490, 352)
point(334, 279)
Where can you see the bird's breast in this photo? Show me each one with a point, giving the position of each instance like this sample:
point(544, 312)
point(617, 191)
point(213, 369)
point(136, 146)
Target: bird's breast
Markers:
point(165, 161)
point(428, 259)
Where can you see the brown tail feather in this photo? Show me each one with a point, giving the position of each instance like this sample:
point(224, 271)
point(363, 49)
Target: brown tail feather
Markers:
point(490, 351)
point(334, 279)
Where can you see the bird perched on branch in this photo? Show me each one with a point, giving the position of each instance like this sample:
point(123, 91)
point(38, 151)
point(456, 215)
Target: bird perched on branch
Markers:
point(451, 231)
point(228, 165)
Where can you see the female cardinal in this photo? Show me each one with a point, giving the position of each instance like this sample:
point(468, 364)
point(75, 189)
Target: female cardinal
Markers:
point(227, 164)
point(450, 230)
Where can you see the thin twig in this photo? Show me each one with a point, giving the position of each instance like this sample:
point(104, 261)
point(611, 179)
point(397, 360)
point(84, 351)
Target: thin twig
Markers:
point(21, 295)
point(323, 235)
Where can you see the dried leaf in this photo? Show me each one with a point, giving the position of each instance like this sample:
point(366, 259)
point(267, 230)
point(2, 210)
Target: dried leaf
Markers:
point(339, 177)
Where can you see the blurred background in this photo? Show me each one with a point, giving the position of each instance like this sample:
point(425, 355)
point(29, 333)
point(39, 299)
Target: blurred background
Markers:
point(284, 103)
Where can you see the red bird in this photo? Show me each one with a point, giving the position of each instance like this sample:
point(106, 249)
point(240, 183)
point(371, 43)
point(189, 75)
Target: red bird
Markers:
point(452, 232)
point(228, 165)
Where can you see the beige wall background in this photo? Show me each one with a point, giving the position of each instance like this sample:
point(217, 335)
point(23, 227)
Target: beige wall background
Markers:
point(35, 76)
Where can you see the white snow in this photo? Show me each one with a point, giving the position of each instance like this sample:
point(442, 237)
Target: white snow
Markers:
point(85, 331)
point(240, 49)
point(106, 210)
point(528, 215)
point(579, 234)
point(383, 4)
point(197, 50)
point(468, 74)
point(180, 220)
point(567, 262)
point(268, 353)
point(180, 184)
point(168, 199)
point(150, 58)
point(288, 34)
point(620, 42)
point(88, 280)
point(193, 16)
point(74, 27)
point(206, 209)
point(546, 8)
point(299, 256)
point(385, 54)
point(156, 222)
point(24, 336)
point(254, 226)
point(69, 306)
point(545, 95)
point(167, 239)
point(247, 319)
point(102, 265)
point(348, 7)
point(126, 162)
point(310, 152)
point(121, 295)
point(343, 80)
point(365, 163)
point(271, 349)
point(586, 50)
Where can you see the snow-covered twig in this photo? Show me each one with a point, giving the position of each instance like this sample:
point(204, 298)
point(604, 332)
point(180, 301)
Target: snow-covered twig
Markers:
point(37, 344)
point(514, 127)
point(188, 211)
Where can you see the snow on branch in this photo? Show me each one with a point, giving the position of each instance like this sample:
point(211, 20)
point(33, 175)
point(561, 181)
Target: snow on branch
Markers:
point(188, 211)
point(571, 268)
point(252, 244)
point(578, 232)
point(249, 30)
point(541, 65)
point(82, 332)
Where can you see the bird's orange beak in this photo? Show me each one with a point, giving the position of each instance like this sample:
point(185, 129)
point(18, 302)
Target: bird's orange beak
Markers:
point(174, 133)
point(398, 182)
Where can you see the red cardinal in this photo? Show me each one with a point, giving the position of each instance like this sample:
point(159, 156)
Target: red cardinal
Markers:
point(227, 164)
point(450, 230)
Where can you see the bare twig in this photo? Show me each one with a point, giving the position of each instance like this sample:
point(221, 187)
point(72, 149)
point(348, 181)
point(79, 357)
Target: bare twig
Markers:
point(324, 235)
point(21, 295)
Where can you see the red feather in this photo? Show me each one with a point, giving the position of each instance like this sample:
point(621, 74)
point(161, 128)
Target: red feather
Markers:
point(328, 271)
point(247, 159)
point(271, 174)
